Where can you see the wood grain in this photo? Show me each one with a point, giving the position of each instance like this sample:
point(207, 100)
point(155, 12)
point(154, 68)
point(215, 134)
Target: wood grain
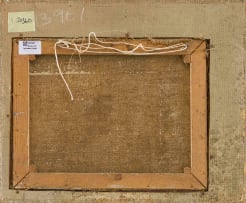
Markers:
point(20, 114)
point(199, 114)
point(25, 176)
point(48, 45)
point(125, 181)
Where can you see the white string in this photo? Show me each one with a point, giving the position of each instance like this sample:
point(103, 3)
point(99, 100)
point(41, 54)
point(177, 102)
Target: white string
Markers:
point(60, 72)
point(91, 47)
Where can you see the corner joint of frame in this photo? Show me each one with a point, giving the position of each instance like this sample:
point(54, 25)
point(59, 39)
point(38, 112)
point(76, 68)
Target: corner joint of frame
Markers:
point(204, 186)
point(17, 184)
point(199, 48)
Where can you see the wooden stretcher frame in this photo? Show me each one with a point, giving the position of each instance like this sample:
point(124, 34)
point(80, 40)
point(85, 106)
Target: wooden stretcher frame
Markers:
point(24, 175)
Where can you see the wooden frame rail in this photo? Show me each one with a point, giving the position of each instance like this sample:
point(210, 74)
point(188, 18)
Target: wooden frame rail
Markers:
point(194, 178)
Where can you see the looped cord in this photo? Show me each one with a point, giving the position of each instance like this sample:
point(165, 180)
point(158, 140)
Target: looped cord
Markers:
point(91, 47)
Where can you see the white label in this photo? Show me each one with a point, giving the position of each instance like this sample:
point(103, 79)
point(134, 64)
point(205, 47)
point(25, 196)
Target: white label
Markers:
point(21, 21)
point(29, 47)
